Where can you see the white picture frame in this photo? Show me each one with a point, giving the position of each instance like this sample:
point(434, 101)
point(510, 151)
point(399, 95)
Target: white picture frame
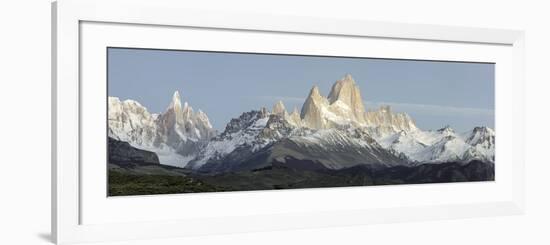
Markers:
point(68, 17)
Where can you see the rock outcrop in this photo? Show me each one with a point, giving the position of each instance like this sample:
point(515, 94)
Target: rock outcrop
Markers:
point(122, 153)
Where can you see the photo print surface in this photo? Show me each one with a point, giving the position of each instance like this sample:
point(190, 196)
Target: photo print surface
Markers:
point(196, 121)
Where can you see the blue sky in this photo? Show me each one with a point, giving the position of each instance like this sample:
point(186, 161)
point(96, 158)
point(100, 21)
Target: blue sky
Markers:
point(224, 85)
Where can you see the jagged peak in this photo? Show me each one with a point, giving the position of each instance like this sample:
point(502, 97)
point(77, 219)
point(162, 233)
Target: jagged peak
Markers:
point(176, 99)
point(187, 108)
point(314, 92)
point(279, 108)
point(347, 78)
point(343, 89)
point(313, 101)
point(384, 115)
point(347, 92)
point(446, 129)
point(480, 135)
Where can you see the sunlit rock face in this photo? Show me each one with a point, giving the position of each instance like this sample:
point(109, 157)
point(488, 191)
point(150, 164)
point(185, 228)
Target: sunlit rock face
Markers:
point(384, 117)
point(279, 109)
point(344, 106)
point(314, 110)
point(345, 91)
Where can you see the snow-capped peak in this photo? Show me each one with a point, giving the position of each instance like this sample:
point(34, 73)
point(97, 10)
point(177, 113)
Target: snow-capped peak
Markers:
point(172, 134)
point(479, 134)
point(447, 130)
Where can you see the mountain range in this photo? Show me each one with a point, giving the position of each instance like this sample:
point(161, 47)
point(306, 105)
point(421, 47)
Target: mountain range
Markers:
point(175, 135)
point(335, 132)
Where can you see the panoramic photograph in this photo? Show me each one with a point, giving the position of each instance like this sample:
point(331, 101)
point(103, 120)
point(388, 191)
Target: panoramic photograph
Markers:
point(202, 121)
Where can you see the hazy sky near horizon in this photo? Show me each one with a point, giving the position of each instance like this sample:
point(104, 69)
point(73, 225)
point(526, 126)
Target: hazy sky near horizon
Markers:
point(224, 85)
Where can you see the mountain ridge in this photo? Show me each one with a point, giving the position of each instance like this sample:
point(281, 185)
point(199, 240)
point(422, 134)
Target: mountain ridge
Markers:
point(175, 135)
point(334, 132)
